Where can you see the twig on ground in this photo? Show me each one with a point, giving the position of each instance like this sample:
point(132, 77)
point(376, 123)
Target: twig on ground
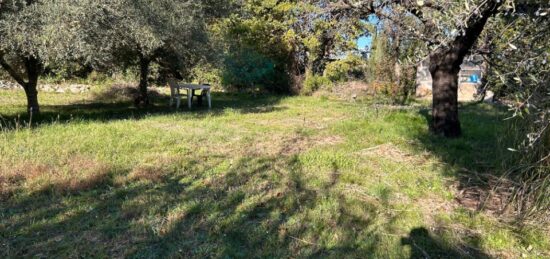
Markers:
point(304, 241)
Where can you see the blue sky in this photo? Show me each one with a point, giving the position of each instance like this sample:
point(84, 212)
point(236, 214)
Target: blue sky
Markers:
point(364, 43)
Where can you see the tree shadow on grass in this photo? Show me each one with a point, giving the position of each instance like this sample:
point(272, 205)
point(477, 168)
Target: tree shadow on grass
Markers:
point(475, 159)
point(260, 207)
point(425, 245)
point(108, 108)
point(252, 207)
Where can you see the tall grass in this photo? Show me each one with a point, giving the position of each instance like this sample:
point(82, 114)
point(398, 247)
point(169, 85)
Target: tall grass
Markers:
point(530, 170)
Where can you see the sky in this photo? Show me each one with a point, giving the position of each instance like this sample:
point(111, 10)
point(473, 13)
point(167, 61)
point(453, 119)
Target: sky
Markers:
point(364, 42)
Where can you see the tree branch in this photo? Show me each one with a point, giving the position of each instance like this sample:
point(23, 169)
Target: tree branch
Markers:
point(13, 73)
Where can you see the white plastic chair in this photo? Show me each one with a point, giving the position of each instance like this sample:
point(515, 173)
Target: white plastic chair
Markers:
point(174, 92)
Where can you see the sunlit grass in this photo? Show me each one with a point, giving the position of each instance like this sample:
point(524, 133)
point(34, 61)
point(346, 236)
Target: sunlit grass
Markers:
point(261, 176)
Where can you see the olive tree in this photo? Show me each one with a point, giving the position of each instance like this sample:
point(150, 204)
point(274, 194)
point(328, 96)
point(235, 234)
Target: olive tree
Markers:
point(518, 61)
point(449, 29)
point(169, 32)
point(37, 33)
point(20, 29)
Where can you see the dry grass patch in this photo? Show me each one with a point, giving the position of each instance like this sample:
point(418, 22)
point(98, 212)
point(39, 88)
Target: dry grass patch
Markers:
point(153, 169)
point(74, 175)
point(80, 174)
point(13, 176)
point(121, 93)
point(147, 173)
point(390, 152)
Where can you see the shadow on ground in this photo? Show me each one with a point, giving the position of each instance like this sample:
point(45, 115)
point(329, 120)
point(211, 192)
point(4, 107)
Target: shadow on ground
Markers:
point(254, 206)
point(425, 245)
point(477, 158)
point(259, 207)
point(104, 107)
point(239, 214)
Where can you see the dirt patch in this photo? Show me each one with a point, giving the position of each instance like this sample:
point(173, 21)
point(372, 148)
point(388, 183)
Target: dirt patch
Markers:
point(348, 90)
point(483, 192)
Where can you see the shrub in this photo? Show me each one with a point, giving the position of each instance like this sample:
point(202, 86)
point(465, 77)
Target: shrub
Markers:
point(350, 68)
point(313, 83)
point(248, 69)
point(207, 73)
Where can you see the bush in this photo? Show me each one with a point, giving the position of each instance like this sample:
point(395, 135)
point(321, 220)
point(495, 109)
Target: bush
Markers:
point(206, 73)
point(248, 69)
point(350, 68)
point(313, 83)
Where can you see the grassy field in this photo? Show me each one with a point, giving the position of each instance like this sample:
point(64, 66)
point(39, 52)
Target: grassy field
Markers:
point(257, 176)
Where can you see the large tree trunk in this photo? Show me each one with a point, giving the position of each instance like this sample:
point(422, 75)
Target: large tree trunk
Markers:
point(445, 67)
point(143, 98)
point(32, 99)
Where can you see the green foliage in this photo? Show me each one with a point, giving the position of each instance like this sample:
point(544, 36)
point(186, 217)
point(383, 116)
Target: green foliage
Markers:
point(248, 69)
point(206, 73)
point(278, 31)
point(254, 50)
point(381, 63)
point(313, 83)
point(518, 71)
point(350, 68)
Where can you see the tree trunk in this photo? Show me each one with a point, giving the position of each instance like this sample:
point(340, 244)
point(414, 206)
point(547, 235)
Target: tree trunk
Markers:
point(143, 98)
point(31, 92)
point(320, 62)
point(33, 67)
point(444, 69)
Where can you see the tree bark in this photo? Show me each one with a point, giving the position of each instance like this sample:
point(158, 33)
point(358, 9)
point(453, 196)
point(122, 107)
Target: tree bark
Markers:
point(320, 62)
point(445, 67)
point(144, 64)
point(33, 67)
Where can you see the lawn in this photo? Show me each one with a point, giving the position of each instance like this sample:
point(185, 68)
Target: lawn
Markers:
point(257, 176)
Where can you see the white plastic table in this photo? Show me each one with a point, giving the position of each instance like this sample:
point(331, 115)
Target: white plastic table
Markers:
point(190, 88)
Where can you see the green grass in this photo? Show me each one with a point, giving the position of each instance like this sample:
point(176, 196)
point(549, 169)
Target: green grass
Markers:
point(257, 176)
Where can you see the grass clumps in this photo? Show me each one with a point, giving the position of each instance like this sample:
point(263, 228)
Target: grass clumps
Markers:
point(261, 176)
